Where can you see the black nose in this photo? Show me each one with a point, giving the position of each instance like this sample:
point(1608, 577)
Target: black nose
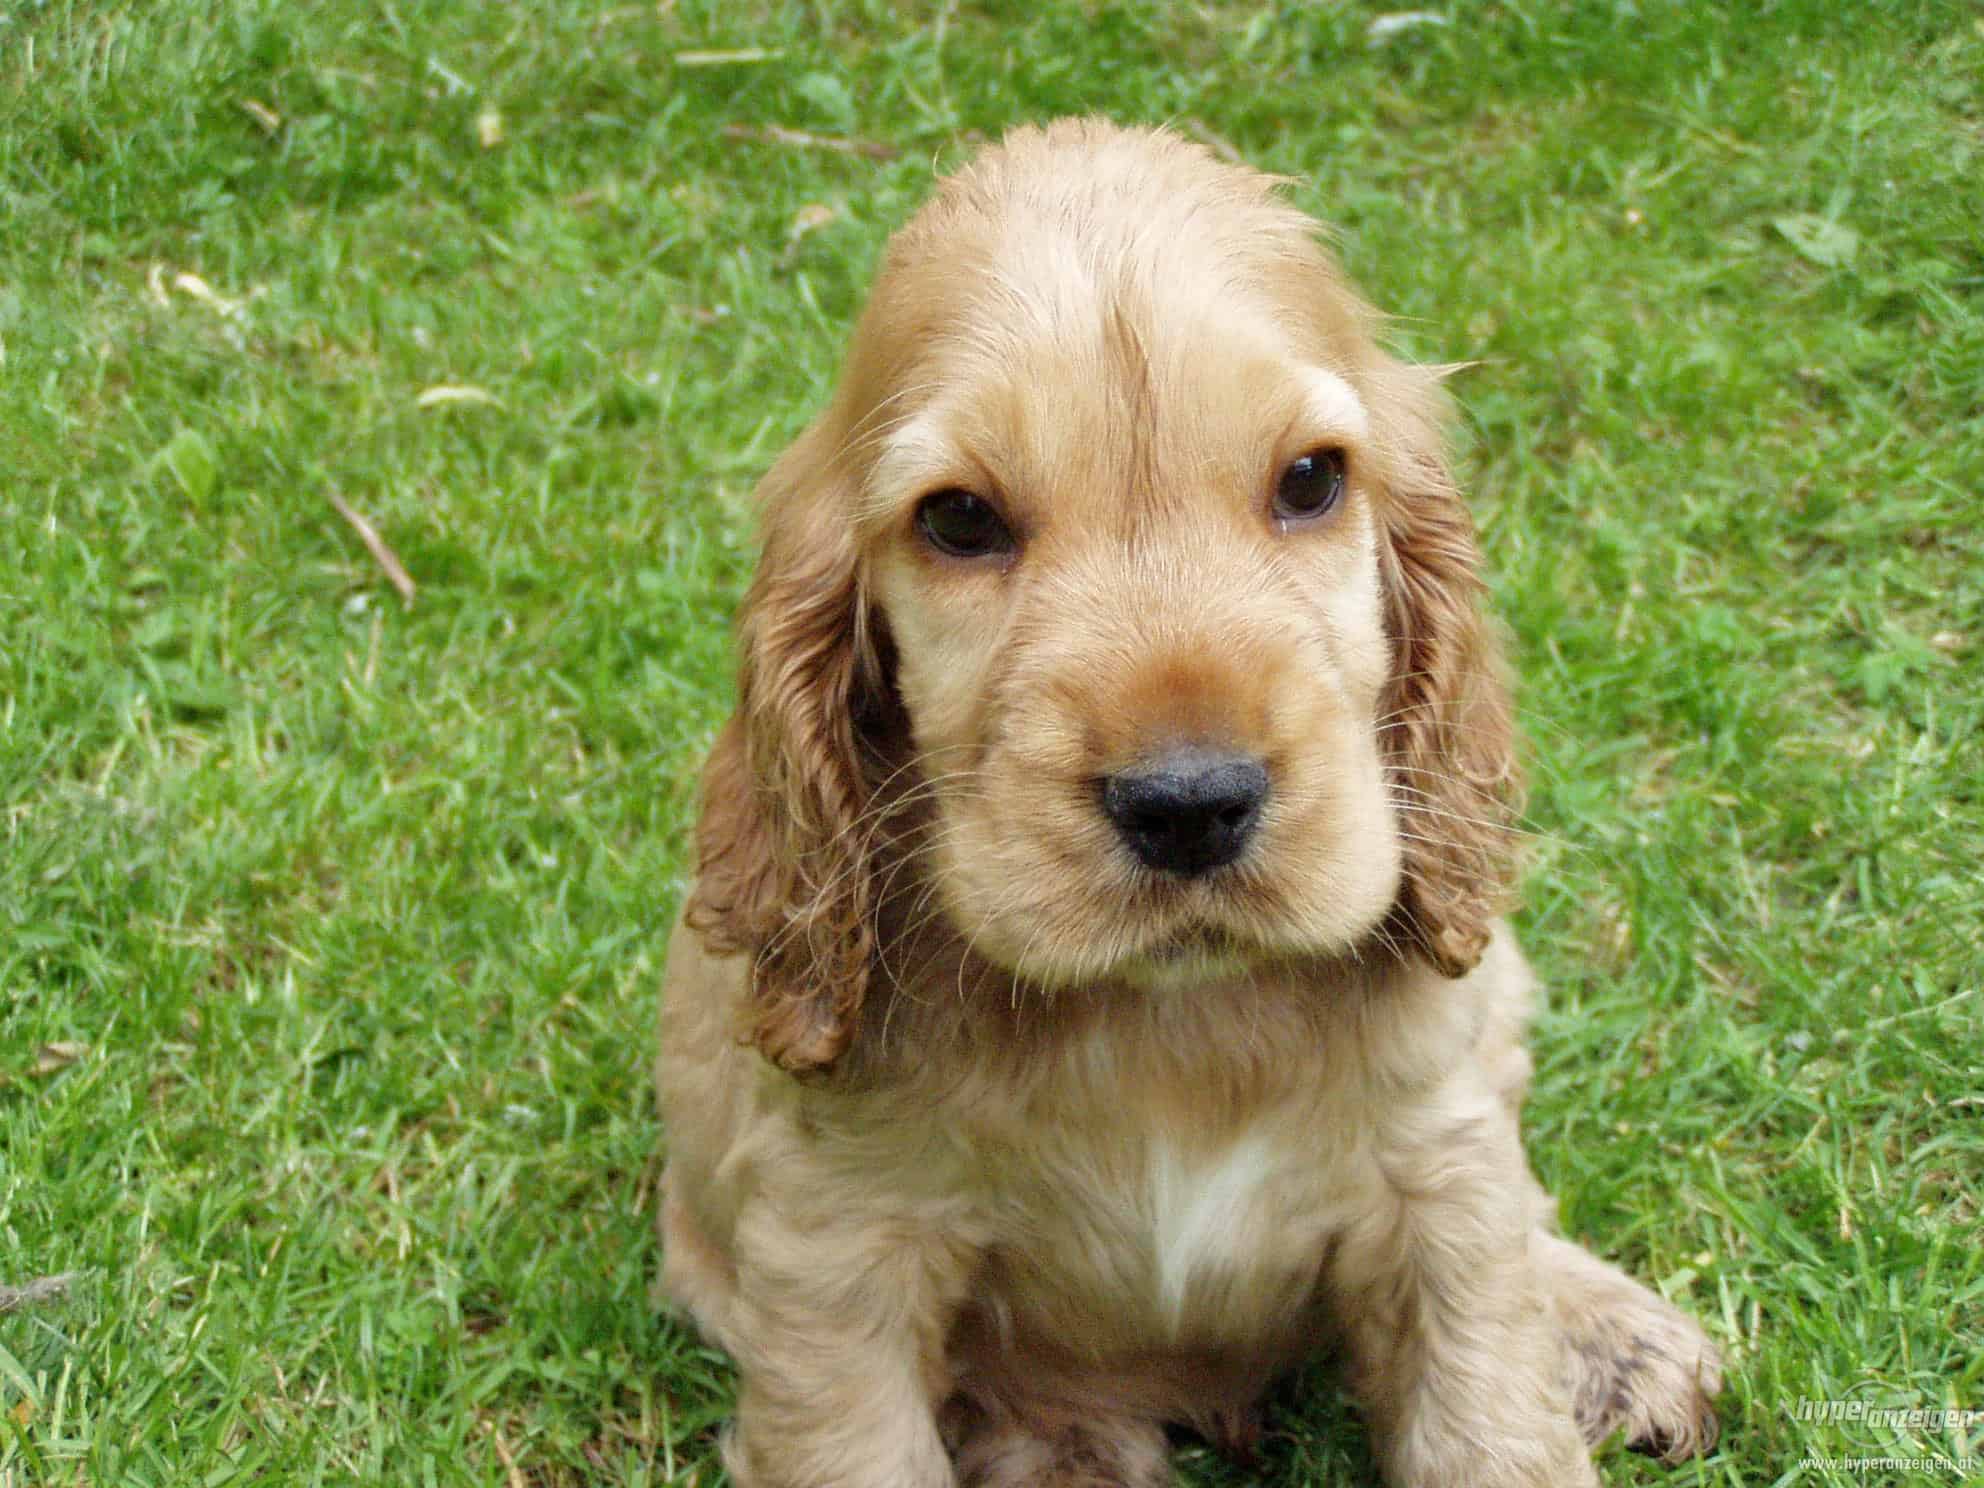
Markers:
point(1187, 812)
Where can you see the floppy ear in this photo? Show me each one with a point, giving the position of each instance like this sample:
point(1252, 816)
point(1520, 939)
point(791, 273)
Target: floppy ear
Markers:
point(1449, 735)
point(780, 862)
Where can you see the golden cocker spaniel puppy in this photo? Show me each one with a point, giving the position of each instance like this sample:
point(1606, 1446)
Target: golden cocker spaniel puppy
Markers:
point(1092, 1000)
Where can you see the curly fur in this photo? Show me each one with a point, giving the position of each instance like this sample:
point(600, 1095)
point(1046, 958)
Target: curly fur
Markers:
point(1450, 731)
point(781, 875)
point(990, 1152)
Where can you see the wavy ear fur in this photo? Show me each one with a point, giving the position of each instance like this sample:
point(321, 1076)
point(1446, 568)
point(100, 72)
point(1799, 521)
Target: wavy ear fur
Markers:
point(1450, 734)
point(781, 875)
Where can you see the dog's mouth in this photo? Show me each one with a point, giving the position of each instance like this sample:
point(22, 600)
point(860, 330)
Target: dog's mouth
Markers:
point(1189, 957)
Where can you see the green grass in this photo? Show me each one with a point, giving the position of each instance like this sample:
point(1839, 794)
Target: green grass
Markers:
point(330, 927)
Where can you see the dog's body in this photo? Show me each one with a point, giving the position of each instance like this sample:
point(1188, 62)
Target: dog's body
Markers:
point(1092, 1000)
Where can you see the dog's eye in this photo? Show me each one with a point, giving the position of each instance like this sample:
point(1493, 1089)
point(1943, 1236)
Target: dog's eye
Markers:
point(1310, 486)
point(963, 525)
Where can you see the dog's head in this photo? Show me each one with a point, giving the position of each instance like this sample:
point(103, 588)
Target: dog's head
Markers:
point(1127, 564)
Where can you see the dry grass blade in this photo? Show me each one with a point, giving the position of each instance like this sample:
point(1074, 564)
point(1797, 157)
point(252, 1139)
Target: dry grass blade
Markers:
point(52, 1058)
point(41, 1289)
point(729, 57)
point(1218, 143)
point(383, 555)
point(512, 1475)
point(444, 393)
point(800, 139)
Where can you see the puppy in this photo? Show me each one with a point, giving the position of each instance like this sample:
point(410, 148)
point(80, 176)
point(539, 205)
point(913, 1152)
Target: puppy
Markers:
point(1092, 1000)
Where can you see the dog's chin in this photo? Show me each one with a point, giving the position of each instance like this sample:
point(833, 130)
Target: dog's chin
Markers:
point(1185, 963)
point(1141, 957)
point(1185, 959)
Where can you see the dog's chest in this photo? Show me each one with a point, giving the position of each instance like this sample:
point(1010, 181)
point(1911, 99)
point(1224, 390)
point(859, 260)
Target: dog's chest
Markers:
point(1221, 1225)
point(1165, 1236)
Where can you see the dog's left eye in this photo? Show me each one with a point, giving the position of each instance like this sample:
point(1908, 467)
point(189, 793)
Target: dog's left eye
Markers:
point(963, 525)
point(1311, 486)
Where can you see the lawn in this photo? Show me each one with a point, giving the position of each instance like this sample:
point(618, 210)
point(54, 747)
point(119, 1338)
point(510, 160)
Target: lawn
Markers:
point(331, 919)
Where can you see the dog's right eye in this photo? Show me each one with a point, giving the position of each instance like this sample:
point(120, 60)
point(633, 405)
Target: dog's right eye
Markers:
point(1310, 487)
point(963, 525)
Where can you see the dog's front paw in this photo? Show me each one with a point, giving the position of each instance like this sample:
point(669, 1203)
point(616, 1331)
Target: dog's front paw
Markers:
point(1651, 1377)
point(1638, 1365)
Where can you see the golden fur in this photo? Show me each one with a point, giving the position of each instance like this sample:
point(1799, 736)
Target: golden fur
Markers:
point(990, 1149)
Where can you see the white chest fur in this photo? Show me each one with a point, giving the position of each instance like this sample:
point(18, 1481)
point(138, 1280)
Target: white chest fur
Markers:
point(1202, 1213)
point(1232, 1231)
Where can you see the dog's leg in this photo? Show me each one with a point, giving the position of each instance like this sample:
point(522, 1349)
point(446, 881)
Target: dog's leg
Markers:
point(1632, 1362)
point(696, 1277)
point(1453, 1351)
point(838, 1329)
point(1636, 1364)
